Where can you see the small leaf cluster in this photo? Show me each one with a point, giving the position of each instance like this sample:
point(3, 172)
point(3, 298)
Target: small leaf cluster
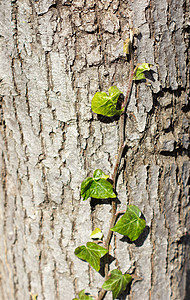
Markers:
point(131, 224)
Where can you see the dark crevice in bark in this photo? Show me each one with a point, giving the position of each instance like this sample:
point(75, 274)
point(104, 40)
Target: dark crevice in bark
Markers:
point(49, 71)
point(41, 274)
point(152, 239)
point(18, 121)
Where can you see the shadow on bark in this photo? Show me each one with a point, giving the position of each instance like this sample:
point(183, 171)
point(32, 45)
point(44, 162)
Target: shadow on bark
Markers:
point(125, 293)
point(185, 240)
point(187, 292)
point(94, 202)
point(140, 241)
point(110, 259)
point(108, 120)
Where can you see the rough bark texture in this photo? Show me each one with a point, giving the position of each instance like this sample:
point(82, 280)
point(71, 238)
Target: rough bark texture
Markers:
point(54, 56)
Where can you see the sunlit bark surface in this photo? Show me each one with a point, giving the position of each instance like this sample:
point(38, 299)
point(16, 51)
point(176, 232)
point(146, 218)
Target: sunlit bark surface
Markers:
point(54, 55)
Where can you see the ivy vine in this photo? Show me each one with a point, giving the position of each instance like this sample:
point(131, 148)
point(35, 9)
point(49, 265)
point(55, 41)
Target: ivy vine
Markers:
point(100, 186)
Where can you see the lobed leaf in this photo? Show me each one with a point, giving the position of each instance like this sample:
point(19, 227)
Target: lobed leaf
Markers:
point(106, 104)
point(117, 282)
point(96, 234)
point(139, 74)
point(91, 253)
point(130, 223)
point(97, 187)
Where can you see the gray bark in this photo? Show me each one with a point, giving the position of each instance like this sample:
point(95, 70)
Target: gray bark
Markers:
point(54, 56)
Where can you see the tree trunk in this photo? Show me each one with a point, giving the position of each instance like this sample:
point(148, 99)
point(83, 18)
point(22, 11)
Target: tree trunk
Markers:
point(54, 56)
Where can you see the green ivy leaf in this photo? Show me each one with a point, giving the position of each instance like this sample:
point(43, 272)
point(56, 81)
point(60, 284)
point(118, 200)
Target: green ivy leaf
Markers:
point(91, 253)
point(97, 187)
point(106, 104)
point(96, 234)
point(83, 296)
point(86, 188)
point(117, 282)
point(130, 223)
point(139, 74)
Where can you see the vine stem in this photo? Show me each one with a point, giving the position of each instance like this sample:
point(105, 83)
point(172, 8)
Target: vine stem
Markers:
point(116, 168)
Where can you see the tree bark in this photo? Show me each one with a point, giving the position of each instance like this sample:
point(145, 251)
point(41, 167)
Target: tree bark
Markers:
point(54, 56)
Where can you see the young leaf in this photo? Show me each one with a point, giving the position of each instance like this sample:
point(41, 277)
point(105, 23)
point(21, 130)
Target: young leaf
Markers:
point(99, 174)
point(97, 187)
point(130, 223)
point(117, 282)
point(34, 296)
point(106, 104)
point(101, 189)
point(139, 74)
point(83, 296)
point(127, 46)
point(96, 234)
point(91, 253)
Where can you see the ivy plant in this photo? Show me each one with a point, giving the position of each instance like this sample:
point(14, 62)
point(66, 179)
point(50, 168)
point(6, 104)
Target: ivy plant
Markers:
point(101, 186)
point(130, 224)
point(97, 186)
point(106, 104)
point(117, 282)
point(91, 253)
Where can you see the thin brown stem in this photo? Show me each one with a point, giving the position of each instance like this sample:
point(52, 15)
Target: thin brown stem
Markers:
point(120, 212)
point(119, 156)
